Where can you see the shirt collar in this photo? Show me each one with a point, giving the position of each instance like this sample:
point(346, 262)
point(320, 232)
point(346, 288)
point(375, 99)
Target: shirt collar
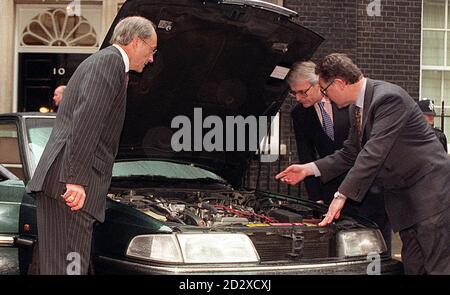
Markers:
point(325, 99)
point(360, 98)
point(126, 60)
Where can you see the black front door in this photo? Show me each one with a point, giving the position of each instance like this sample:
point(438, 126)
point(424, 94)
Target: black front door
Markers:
point(40, 74)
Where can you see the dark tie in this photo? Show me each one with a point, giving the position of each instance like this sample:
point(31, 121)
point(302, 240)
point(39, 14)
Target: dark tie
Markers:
point(327, 123)
point(357, 113)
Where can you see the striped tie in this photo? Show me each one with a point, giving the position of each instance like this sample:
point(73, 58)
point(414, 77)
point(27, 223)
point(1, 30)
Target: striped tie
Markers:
point(327, 123)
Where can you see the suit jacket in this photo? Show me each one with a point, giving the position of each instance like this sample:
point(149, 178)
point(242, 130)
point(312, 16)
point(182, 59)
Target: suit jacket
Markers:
point(313, 143)
point(441, 137)
point(85, 138)
point(399, 153)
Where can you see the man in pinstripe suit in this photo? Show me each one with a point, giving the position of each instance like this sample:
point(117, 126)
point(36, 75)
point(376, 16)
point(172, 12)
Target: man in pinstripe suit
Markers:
point(74, 173)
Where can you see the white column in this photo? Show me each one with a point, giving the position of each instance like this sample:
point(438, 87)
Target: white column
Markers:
point(109, 13)
point(7, 25)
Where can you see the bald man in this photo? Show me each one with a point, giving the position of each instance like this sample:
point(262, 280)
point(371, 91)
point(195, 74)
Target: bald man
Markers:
point(57, 95)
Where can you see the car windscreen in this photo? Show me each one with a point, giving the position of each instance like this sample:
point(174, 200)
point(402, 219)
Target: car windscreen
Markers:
point(39, 130)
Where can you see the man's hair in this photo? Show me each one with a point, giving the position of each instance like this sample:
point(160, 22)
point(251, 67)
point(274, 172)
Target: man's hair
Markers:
point(303, 71)
point(338, 65)
point(131, 27)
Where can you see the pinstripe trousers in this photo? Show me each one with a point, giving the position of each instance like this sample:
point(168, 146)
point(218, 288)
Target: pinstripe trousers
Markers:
point(64, 237)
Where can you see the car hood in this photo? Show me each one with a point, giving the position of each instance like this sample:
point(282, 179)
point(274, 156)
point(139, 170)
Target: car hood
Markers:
point(228, 58)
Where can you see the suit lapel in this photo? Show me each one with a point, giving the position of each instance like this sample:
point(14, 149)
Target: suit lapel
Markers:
point(312, 123)
point(367, 102)
point(315, 121)
point(336, 120)
point(341, 123)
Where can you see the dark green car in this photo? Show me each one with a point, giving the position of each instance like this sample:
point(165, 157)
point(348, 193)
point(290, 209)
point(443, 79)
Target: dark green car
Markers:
point(171, 217)
point(186, 211)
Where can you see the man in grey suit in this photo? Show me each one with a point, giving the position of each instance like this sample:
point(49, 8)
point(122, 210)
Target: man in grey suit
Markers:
point(391, 147)
point(314, 141)
point(72, 178)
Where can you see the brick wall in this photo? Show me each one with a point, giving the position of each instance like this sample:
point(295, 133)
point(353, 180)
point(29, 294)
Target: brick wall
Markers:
point(333, 20)
point(385, 47)
point(388, 46)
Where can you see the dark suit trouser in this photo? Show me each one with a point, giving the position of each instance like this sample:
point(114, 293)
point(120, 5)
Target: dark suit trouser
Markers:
point(64, 237)
point(426, 246)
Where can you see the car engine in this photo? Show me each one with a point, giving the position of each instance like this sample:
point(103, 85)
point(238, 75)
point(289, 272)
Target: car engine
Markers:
point(213, 209)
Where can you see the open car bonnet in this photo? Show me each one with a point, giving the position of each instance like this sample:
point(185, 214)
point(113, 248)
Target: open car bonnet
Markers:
point(222, 58)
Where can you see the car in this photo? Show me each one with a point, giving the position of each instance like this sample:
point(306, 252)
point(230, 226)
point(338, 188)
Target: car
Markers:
point(187, 211)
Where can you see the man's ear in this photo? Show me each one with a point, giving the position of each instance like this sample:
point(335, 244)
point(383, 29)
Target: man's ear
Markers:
point(135, 42)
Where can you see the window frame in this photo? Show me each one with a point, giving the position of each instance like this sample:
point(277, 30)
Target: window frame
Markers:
point(445, 68)
point(24, 163)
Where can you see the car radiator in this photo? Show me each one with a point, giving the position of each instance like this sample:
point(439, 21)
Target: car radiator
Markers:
point(293, 245)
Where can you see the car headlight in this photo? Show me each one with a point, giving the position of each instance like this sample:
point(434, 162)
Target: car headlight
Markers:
point(360, 242)
point(164, 248)
point(194, 248)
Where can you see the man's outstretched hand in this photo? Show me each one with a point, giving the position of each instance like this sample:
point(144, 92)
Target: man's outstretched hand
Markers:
point(334, 211)
point(295, 173)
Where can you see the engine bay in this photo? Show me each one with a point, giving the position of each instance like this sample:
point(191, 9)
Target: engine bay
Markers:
point(217, 208)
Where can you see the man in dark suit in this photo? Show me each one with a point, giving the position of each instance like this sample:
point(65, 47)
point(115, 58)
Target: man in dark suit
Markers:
point(389, 146)
point(72, 178)
point(320, 129)
point(427, 108)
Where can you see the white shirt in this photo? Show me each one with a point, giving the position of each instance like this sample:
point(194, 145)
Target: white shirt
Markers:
point(126, 60)
point(360, 98)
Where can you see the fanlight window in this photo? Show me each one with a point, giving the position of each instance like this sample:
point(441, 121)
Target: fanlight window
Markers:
point(56, 28)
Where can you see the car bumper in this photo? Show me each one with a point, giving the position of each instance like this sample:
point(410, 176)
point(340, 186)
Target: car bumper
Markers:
point(106, 265)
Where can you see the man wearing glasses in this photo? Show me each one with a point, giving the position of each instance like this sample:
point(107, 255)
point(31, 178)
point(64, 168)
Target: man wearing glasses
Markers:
point(392, 147)
point(320, 129)
point(74, 173)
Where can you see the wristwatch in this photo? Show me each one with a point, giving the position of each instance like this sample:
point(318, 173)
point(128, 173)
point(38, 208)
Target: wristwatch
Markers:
point(338, 195)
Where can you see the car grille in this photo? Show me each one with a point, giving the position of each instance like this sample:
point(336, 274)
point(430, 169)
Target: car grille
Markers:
point(282, 245)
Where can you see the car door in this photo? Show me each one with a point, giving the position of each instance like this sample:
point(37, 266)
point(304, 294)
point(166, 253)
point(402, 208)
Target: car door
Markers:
point(11, 193)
